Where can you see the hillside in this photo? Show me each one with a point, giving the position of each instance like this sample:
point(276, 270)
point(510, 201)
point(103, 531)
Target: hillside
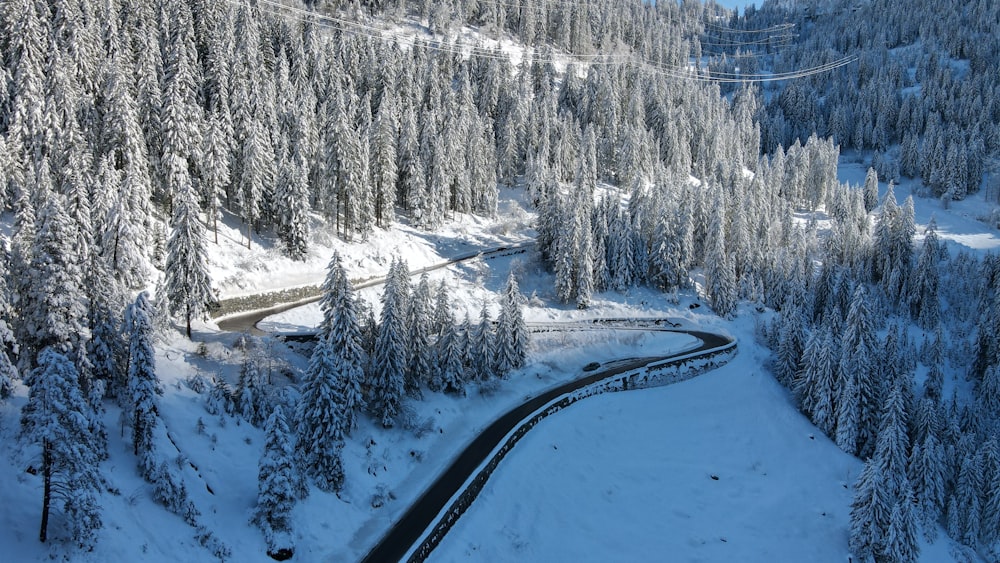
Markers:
point(818, 191)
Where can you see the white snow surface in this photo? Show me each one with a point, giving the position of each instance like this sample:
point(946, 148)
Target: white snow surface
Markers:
point(617, 477)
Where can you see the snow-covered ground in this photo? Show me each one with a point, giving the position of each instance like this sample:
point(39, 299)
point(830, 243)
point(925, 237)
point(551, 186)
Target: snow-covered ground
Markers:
point(627, 476)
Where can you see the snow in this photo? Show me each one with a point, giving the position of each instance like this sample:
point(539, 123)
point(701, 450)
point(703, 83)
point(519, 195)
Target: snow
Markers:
point(624, 476)
point(631, 477)
point(961, 226)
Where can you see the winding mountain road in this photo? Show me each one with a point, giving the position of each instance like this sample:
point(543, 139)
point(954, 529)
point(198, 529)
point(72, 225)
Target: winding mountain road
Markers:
point(419, 530)
point(422, 514)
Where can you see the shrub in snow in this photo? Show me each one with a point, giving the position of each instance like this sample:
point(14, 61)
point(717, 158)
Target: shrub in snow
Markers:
point(170, 491)
point(381, 495)
point(410, 420)
point(198, 383)
point(220, 398)
point(209, 541)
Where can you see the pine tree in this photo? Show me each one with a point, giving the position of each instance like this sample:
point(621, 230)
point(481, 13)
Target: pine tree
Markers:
point(384, 159)
point(321, 421)
point(180, 113)
point(848, 415)
point(418, 317)
point(814, 384)
point(901, 544)
point(345, 338)
point(388, 380)
point(991, 507)
point(450, 373)
point(791, 343)
point(924, 306)
point(188, 286)
point(857, 365)
point(871, 511)
point(108, 347)
point(216, 171)
point(720, 277)
point(511, 332)
point(926, 472)
point(968, 506)
point(279, 485)
point(250, 395)
point(443, 316)
point(482, 347)
point(143, 384)
point(292, 207)
point(55, 419)
point(8, 344)
point(892, 447)
point(871, 190)
point(54, 303)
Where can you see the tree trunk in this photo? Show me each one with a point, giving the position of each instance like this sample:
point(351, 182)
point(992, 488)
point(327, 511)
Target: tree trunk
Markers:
point(47, 490)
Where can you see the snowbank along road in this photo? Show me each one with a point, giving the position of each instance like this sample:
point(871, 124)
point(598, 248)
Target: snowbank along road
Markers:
point(423, 525)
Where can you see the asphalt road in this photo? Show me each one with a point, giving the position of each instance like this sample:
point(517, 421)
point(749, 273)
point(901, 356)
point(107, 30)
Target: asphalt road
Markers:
point(423, 512)
point(407, 530)
point(247, 322)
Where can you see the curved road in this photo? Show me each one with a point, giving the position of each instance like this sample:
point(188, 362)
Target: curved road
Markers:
point(395, 544)
point(408, 529)
point(247, 322)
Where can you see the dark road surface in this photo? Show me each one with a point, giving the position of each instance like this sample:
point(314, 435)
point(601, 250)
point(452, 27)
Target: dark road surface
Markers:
point(247, 322)
point(422, 513)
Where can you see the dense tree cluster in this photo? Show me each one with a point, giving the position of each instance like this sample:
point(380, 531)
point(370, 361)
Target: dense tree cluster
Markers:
point(414, 330)
point(842, 345)
point(923, 94)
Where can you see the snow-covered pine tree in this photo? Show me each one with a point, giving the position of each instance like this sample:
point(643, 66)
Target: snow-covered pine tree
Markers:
point(791, 343)
point(107, 348)
point(321, 419)
point(8, 344)
point(418, 323)
point(383, 158)
point(279, 485)
point(54, 304)
point(442, 311)
point(848, 414)
point(901, 545)
point(292, 206)
point(215, 175)
point(450, 373)
point(857, 365)
point(143, 384)
point(345, 337)
point(188, 285)
point(893, 443)
point(388, 378)
point(55, 419)
point(250, 395)
point(814, 383)
point(871, 190)
point(967, 507)
point(180, 114)
point(482, 344)
point(924, 306)
point(511, 333)
point(871, 511)
point(926, 473)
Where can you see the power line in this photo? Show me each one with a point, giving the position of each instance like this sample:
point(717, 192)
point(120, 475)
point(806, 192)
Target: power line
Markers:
point(278, 9)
